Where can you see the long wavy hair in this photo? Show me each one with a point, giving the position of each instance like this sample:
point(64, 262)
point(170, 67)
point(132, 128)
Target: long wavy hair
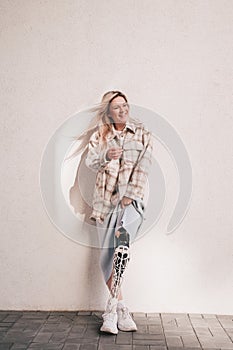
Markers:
point(101, 121)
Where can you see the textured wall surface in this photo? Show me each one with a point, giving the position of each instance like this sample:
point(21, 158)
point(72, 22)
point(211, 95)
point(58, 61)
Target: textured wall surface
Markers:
point(173, 57)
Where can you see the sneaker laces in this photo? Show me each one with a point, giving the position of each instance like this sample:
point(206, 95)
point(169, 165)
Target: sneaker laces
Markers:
point(109, 316)
point(125, 313)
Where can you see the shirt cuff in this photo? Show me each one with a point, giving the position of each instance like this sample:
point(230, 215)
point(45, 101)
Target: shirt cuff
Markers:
point(133, 192)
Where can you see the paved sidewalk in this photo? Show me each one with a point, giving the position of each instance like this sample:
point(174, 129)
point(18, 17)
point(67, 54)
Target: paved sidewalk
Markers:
point(80, 331)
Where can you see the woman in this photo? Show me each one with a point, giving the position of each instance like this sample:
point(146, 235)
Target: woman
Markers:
point(119, 151)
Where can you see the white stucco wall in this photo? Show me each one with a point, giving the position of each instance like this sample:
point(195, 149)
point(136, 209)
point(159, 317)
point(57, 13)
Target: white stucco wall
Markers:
point(173, 57)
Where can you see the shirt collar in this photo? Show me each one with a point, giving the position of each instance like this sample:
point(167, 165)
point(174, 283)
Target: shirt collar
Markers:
point(111, 134)
point(128, 125)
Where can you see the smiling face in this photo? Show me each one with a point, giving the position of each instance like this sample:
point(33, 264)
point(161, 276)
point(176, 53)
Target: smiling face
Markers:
point(119, 112)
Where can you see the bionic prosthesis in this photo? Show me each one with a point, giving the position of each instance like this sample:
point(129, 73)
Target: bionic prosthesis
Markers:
point(117, 316)
point(120, 260)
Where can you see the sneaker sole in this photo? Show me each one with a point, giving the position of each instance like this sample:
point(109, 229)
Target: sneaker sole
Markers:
point(127, 329)
point(108, 330)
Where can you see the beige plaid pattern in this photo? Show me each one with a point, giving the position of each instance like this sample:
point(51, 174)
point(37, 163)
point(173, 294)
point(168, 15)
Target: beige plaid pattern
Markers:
point(118, 178)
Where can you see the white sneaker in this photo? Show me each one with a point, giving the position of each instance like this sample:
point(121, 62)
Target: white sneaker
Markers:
point(110, 323)
point(110, 317)
point(125, 321)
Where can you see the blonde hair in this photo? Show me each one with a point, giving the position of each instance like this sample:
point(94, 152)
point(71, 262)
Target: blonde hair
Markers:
point(101, 121)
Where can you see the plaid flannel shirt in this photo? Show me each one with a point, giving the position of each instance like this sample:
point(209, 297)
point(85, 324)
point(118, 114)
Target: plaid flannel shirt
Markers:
point(119, 177)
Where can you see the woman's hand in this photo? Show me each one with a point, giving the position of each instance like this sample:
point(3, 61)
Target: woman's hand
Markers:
point(114, 153)
point(126, 201)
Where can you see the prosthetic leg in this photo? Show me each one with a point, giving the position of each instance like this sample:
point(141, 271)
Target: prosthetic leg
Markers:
point(120, 260)
point(117, 315)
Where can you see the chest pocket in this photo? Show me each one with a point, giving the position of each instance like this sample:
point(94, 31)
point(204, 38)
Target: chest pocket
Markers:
point(132, 150)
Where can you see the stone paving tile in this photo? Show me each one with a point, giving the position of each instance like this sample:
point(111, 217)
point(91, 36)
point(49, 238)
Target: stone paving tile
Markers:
point(229, 332)
point(137, 336)
point(76, 340)
point(67, 314)
point(154, 314)
point(139, 314)
point(81, 331)
point(124, 338)
point(84, 313)
point(213, 323)
point(154, 329)
point(142, 328)
point(195, 315)
point(107, 339)
point(153, 318)
point(175, 332)
point(141, 347)
point(19, 337)
point(12, 317)
point(172, 330)
point(92, 330)
point(209, 316)
point(114, 347)
point(87, 320)
point(58, 337)
point(97, 313)
point(190, 341)
point(199, 322)
point(78, 330)
point(46, 346)
point(54, 319)
point(226, 322)
point(89, 347)
point(208, 342)
point(168, 321)
point(67, 319)
point(200, 331)
point(35, 315)
point(71, 347)
point(5, 346)
point(49, 327)
point(186, 348)
point(3, 315)
point(19, 346)
point(2, 336)
point(174, 341)
point(184, 322)
point(5, 326)
point(42, 337)
point(219, 333)
point(145, 321)
point(156, 342)
point(23, 327)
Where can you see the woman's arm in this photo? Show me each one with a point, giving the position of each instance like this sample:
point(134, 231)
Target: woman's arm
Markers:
point(96, 157)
